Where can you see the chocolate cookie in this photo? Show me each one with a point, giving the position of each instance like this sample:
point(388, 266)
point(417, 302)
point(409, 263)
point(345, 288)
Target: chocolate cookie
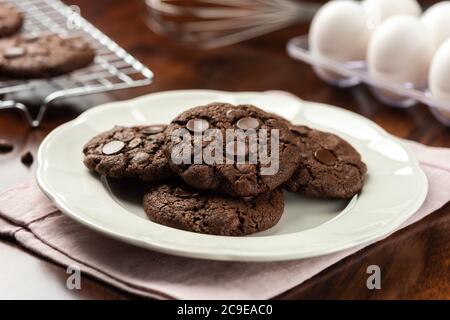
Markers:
point(11, 20)
point(125, 152)
point(236, 178)
point(330, 166)
point(179, 206)
point(27, 56)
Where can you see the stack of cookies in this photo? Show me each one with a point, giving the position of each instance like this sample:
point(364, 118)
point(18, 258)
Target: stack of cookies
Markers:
point(37, 56)
point(240, 195)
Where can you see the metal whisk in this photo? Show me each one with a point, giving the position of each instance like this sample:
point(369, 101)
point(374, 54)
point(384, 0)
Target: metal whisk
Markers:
point(216, 23)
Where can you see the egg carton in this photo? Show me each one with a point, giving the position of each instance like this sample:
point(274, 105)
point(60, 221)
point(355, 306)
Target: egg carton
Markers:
point(348, 74)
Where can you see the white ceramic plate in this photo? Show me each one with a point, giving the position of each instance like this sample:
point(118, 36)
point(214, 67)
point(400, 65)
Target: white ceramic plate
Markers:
point(395, 188)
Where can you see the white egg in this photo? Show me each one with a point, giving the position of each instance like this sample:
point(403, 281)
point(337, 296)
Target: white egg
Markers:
point(380, 10)
point(400, 51)
point(339, 31)
point(437, 20)
point(439, 78)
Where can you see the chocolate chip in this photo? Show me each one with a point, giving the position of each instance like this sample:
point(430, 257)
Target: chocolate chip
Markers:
point(27, 159)
point(135, 143)
point(325, 156)
point(185, 193)
point(113, 147)
point(5, 146)
point(153, 129)
point(197, 124)
point(248, 123)
point(14, 52)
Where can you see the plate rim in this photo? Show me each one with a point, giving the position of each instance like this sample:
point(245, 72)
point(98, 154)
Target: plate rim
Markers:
point(224, 254)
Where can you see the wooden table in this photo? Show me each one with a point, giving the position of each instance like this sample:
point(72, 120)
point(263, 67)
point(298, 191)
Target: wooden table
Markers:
point(415, 262)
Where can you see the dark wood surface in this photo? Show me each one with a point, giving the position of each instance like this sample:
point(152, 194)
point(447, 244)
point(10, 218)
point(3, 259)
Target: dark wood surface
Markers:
point(415, 262)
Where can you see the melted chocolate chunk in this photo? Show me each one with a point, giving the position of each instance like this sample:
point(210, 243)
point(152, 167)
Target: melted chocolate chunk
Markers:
point(150, 130)
point(248, 123)
point(197, 124)
point(325, 156)
point(113, 147)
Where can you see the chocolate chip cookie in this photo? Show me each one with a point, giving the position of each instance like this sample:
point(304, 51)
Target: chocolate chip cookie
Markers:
point(125, 152)
point(179, 206)
point(11, 20)
point(330, 166)
point(28, 56)
point(250, 177)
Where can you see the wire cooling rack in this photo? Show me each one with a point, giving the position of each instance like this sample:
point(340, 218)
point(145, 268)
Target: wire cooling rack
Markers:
point(112, 69)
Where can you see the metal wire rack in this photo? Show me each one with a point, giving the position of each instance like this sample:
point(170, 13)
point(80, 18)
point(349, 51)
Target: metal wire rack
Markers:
point(112, 69)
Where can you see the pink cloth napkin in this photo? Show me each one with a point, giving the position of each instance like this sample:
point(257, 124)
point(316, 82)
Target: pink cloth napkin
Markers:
point(30, 218)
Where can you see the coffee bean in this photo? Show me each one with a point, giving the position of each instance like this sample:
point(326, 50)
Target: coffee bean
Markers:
point(27, 159)
point(325, 156)
point(113, 147)
point(197, 125)
point(5, 146)
point(14, 52)
point(153, 129)
point(248, 123)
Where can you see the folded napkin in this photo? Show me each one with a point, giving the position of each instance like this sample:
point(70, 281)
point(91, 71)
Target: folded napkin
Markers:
point(30, 218)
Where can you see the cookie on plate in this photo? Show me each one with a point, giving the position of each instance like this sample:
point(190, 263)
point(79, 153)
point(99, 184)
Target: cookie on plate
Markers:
point(236, 178)
point(126, 152)
point(28, 56)
point(330, 166)
point(11, 20)
point(179, 206)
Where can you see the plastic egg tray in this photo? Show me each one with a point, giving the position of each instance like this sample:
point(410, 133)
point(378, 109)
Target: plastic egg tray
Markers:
point(352, 73)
